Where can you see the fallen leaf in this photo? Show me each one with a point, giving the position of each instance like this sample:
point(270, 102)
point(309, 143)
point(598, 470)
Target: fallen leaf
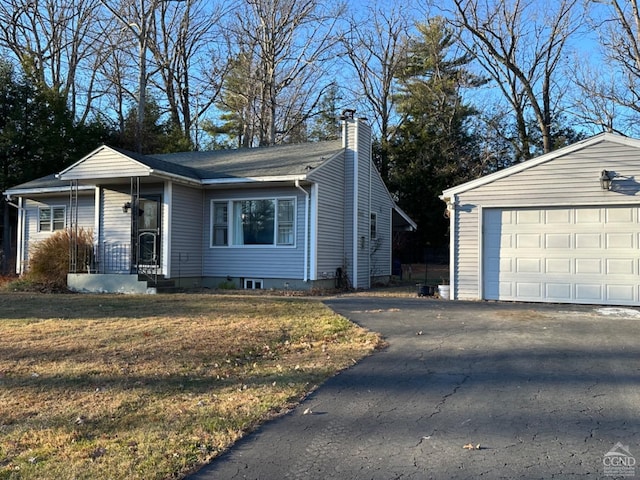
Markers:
point(471, 446)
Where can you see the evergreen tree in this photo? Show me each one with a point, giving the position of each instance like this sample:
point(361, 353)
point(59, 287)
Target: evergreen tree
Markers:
point(38, 135)
point(434, 147)
point(158, 136)
point(326, 125)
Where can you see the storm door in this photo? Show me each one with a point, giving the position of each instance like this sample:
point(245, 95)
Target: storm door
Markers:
point(149, 230)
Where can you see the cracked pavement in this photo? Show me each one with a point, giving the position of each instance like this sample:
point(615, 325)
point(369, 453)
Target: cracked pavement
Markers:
point(545, 390)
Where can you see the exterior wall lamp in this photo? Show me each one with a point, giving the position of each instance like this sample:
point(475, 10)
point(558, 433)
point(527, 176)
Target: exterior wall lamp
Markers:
point(605, 179)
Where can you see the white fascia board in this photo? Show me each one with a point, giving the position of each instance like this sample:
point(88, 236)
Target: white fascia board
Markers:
point(404, 215)
point(37, 191)
point(492, 177)
point(232, 181)
point(62, 174)
point(103, 147)
point(175, 177)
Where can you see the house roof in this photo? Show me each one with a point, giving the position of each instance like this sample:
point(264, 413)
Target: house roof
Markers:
point(534, 162)
point(48, 184)
point(217, 166)
point(265, 162)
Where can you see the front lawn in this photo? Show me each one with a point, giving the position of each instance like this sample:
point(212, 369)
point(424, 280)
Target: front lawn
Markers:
point(151, 387)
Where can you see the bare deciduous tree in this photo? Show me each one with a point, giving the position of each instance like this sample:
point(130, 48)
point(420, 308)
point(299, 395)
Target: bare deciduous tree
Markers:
point(289, 42)
point(185, 59)
point(611, 98)
point(521, 44)
point(376, 48)
point(55, 43)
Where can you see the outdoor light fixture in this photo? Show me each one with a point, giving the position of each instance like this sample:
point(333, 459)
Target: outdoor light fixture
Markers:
point(126, 207)
point(605, 180)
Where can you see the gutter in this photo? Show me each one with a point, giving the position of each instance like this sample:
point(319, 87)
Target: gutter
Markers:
point(306, 230)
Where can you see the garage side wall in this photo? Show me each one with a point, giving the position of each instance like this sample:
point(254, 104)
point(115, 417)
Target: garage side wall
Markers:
point(569, 180)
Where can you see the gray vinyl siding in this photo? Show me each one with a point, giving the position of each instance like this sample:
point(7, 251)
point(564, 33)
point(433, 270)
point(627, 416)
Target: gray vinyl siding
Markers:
point(86, 215)
point(187, 236)
point(286, 262)
point(114, 247)
point(330, 244)
point(104, 164)
point(115, 225)
point(364, 205)
point(569, 180)
point(381, 205)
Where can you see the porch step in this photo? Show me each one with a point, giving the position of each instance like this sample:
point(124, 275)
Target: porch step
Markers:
point(162, 285)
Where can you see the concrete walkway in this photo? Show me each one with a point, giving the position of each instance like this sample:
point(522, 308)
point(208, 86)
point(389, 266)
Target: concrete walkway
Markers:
point(544, 391)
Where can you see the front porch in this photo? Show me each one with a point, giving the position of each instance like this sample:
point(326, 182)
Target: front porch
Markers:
point(110, 267)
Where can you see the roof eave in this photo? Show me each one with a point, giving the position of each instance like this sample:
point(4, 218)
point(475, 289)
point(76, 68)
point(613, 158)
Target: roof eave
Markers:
point(19, 192)
point(237, 180)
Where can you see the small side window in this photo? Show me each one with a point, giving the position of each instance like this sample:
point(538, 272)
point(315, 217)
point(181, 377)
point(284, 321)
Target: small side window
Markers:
point(51, 219)
point(220, 224)
point(374, 226)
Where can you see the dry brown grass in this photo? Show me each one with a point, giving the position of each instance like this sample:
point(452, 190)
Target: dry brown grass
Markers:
point(144, 387)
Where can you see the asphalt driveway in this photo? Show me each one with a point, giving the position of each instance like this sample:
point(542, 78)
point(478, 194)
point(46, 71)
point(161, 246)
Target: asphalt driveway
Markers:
point(544, 391)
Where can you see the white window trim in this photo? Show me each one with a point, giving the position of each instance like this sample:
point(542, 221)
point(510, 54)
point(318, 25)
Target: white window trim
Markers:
point(253, 282)
point(51, 208)
point(230, 227)
point(373, 220)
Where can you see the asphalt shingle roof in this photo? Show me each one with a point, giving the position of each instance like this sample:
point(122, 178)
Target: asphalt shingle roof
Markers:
point(264, 162)
point(275, 161)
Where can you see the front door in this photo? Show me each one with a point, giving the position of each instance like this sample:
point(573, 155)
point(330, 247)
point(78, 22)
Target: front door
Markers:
point(149, 230)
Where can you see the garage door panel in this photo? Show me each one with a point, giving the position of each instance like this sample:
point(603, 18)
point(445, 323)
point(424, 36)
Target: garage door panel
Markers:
point(619, 215)
point(528, 265)
point(619, 240)
point(586, 266)
point(558, 292)
point(558, 265)
point(621, 293)
point(589, 240)
point(528, 217)
point(560, 216)
point(588, 216)
point(591, 292)
point(557, 240)
point(529, 290)
point(620, 266)
point(579, 255)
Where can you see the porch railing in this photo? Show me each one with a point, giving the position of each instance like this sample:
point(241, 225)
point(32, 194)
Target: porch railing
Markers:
point(114, 257)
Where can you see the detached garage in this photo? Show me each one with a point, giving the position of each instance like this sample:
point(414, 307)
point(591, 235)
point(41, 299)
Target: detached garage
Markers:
point(564, 227)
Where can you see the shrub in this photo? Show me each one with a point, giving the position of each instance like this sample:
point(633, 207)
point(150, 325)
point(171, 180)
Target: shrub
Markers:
point(49, 258)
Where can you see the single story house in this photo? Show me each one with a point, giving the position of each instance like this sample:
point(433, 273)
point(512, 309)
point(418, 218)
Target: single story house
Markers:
point(563, 227)
point(294, 216)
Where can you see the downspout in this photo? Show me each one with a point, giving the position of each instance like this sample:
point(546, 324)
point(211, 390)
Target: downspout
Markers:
point(369, 215)
point(451, 213)
point(20, 234)
point(306, 230)
point(356, 201)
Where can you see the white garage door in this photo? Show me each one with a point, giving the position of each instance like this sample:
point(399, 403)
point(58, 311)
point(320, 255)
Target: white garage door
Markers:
point(571, 255)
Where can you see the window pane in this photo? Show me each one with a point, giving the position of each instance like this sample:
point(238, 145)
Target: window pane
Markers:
point(285, 222)
point(257, 220)
point(58, 218)
point(374, 226)
point(285, 211)
point(45, 219)
point(220, 224)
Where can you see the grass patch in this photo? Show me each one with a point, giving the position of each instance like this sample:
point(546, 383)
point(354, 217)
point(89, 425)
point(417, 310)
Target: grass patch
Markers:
point(151, 387)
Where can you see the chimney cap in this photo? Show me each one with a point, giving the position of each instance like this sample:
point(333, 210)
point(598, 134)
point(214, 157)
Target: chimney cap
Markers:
point(347, 114)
